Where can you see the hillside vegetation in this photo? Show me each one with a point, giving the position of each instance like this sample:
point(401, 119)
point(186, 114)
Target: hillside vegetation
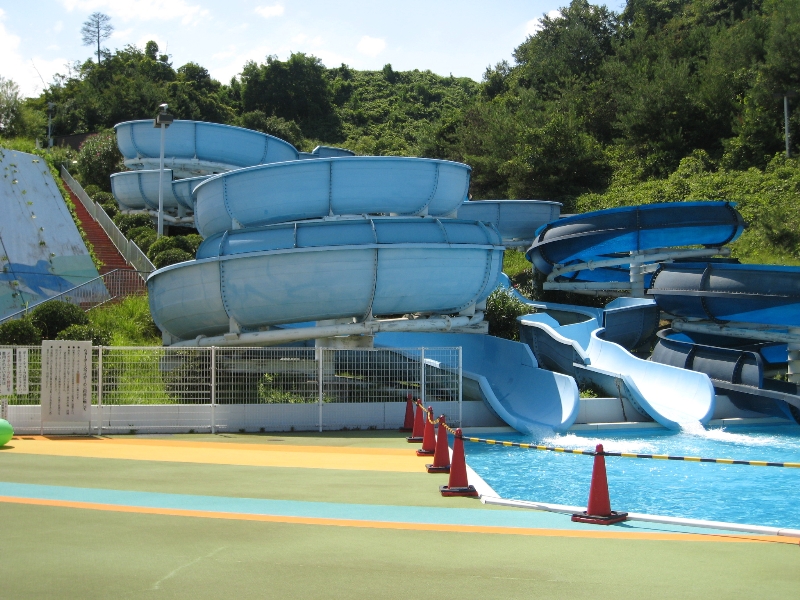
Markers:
point(668, 100)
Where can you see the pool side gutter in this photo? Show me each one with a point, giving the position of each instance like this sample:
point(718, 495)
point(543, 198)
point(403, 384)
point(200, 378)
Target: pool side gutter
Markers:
point(562, 508)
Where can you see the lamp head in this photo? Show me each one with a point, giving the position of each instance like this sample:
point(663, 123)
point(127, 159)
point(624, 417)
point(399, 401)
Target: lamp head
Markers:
point(163, 107)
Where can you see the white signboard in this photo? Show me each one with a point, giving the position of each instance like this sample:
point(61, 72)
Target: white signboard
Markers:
point(66, 381)
point(22, 371)
point(6, 372)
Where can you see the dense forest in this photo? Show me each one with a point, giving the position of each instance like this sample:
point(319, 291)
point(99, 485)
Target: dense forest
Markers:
point(667, 100)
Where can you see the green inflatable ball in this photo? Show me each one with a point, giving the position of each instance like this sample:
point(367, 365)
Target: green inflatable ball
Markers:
point(6, 432)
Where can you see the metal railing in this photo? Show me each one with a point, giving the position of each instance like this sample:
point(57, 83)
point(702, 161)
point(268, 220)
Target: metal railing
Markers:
point(127, 248)
point(250, 389)
point(119, 283)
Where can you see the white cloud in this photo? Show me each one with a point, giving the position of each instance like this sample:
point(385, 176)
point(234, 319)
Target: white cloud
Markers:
point(59, 25)
point(371, 46)
point(276, 10)
point(143, 10)
point(21, 69)
point(534, 26)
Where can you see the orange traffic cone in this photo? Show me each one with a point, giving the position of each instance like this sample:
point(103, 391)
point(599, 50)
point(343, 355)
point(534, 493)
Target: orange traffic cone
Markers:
point(458, 484)
point(599, 510)
point(441, 458)
point(429, 437)
point(408, 423)
point(419, 427)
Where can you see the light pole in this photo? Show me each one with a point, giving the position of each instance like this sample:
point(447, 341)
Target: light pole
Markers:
point(786, 95)
point(162, 120)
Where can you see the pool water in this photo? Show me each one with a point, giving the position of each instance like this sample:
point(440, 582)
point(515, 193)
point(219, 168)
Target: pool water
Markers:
point(717, 492)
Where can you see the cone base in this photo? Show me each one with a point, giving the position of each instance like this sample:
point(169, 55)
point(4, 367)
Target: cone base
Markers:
point(423, 452)
point(435, 469)
point(414, 440)
point(458, 491)
point(614, 517)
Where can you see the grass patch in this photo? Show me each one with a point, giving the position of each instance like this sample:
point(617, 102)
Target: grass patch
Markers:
point(128, 321)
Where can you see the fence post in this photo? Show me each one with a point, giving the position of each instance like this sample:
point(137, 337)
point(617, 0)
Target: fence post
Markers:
point(100, 392)
point(460, 389)
point(213, 386)
point(422, 375)
point(320, 372)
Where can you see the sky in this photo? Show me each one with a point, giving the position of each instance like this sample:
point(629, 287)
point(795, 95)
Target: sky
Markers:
point(445, 36)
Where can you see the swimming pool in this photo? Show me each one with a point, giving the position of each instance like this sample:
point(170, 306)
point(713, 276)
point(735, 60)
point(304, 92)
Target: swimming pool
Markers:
point(717, 492)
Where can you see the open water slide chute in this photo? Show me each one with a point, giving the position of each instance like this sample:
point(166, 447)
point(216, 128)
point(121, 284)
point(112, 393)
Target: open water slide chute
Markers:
point(506, 376)
point(327, 269)
point(674, 397)
point(198, 148)
point(516, 220)
point(288, 191)
point(619, 231)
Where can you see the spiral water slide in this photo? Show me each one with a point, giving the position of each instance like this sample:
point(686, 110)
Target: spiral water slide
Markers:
point(341, 246)
point(192, 154)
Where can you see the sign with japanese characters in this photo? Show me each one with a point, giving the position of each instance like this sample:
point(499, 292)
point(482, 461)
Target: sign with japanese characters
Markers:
point(66, 381)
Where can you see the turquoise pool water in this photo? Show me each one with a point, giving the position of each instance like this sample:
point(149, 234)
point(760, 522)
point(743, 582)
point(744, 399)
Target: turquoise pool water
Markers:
point(733, 493)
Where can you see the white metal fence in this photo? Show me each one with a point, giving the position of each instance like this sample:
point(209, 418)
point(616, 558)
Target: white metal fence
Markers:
point(129, 250)
point(162, 389)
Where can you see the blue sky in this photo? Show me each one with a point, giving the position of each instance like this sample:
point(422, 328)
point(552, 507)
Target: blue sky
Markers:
point(459, 37)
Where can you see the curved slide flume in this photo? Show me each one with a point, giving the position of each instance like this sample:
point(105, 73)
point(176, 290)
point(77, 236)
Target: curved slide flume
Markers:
point(516, 220)
point(618, 231)
point(672, 396)
point(198, 148)
point(324, 187)
point(506, 376)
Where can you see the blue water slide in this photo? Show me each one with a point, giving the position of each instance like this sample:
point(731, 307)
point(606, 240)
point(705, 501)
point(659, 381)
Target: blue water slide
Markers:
point(617, 231)
point(198, 148)
point(763, 294)
point(673, 397)
point(506, 376)
point(516, 220)
point(138, 190)
point(327, 269)
point(296, 190)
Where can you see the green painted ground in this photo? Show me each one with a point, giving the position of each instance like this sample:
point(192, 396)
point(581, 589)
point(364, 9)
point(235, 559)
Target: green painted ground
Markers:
point(69, 553)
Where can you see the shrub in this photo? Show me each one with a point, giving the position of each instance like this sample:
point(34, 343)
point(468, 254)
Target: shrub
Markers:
point(104, 197)
point(111, 208)
point(91, 190)
point(98, 158)
point(194, 241)
point(502, 310)
point(20, 332)
point(54, 316)
point(128, 222)
point(170, 257)
point(99, 336)
point(162, 244)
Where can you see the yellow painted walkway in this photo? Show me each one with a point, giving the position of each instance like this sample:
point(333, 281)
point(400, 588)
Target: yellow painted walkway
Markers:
point(252, 455)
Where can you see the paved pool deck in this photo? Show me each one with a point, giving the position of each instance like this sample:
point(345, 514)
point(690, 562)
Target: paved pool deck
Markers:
point(331, 515)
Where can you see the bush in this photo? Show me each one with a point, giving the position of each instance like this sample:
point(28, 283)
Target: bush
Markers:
point(170, 257)
point(502, 310)
point(162, 244)
point(91, 190)
point(111, 208)
point(98, 158)
point(20, 332)
point(194, 241)
point(104, 198)
point(99, 336)
point(143, 237)
point(128, 222)
point(54, 316)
